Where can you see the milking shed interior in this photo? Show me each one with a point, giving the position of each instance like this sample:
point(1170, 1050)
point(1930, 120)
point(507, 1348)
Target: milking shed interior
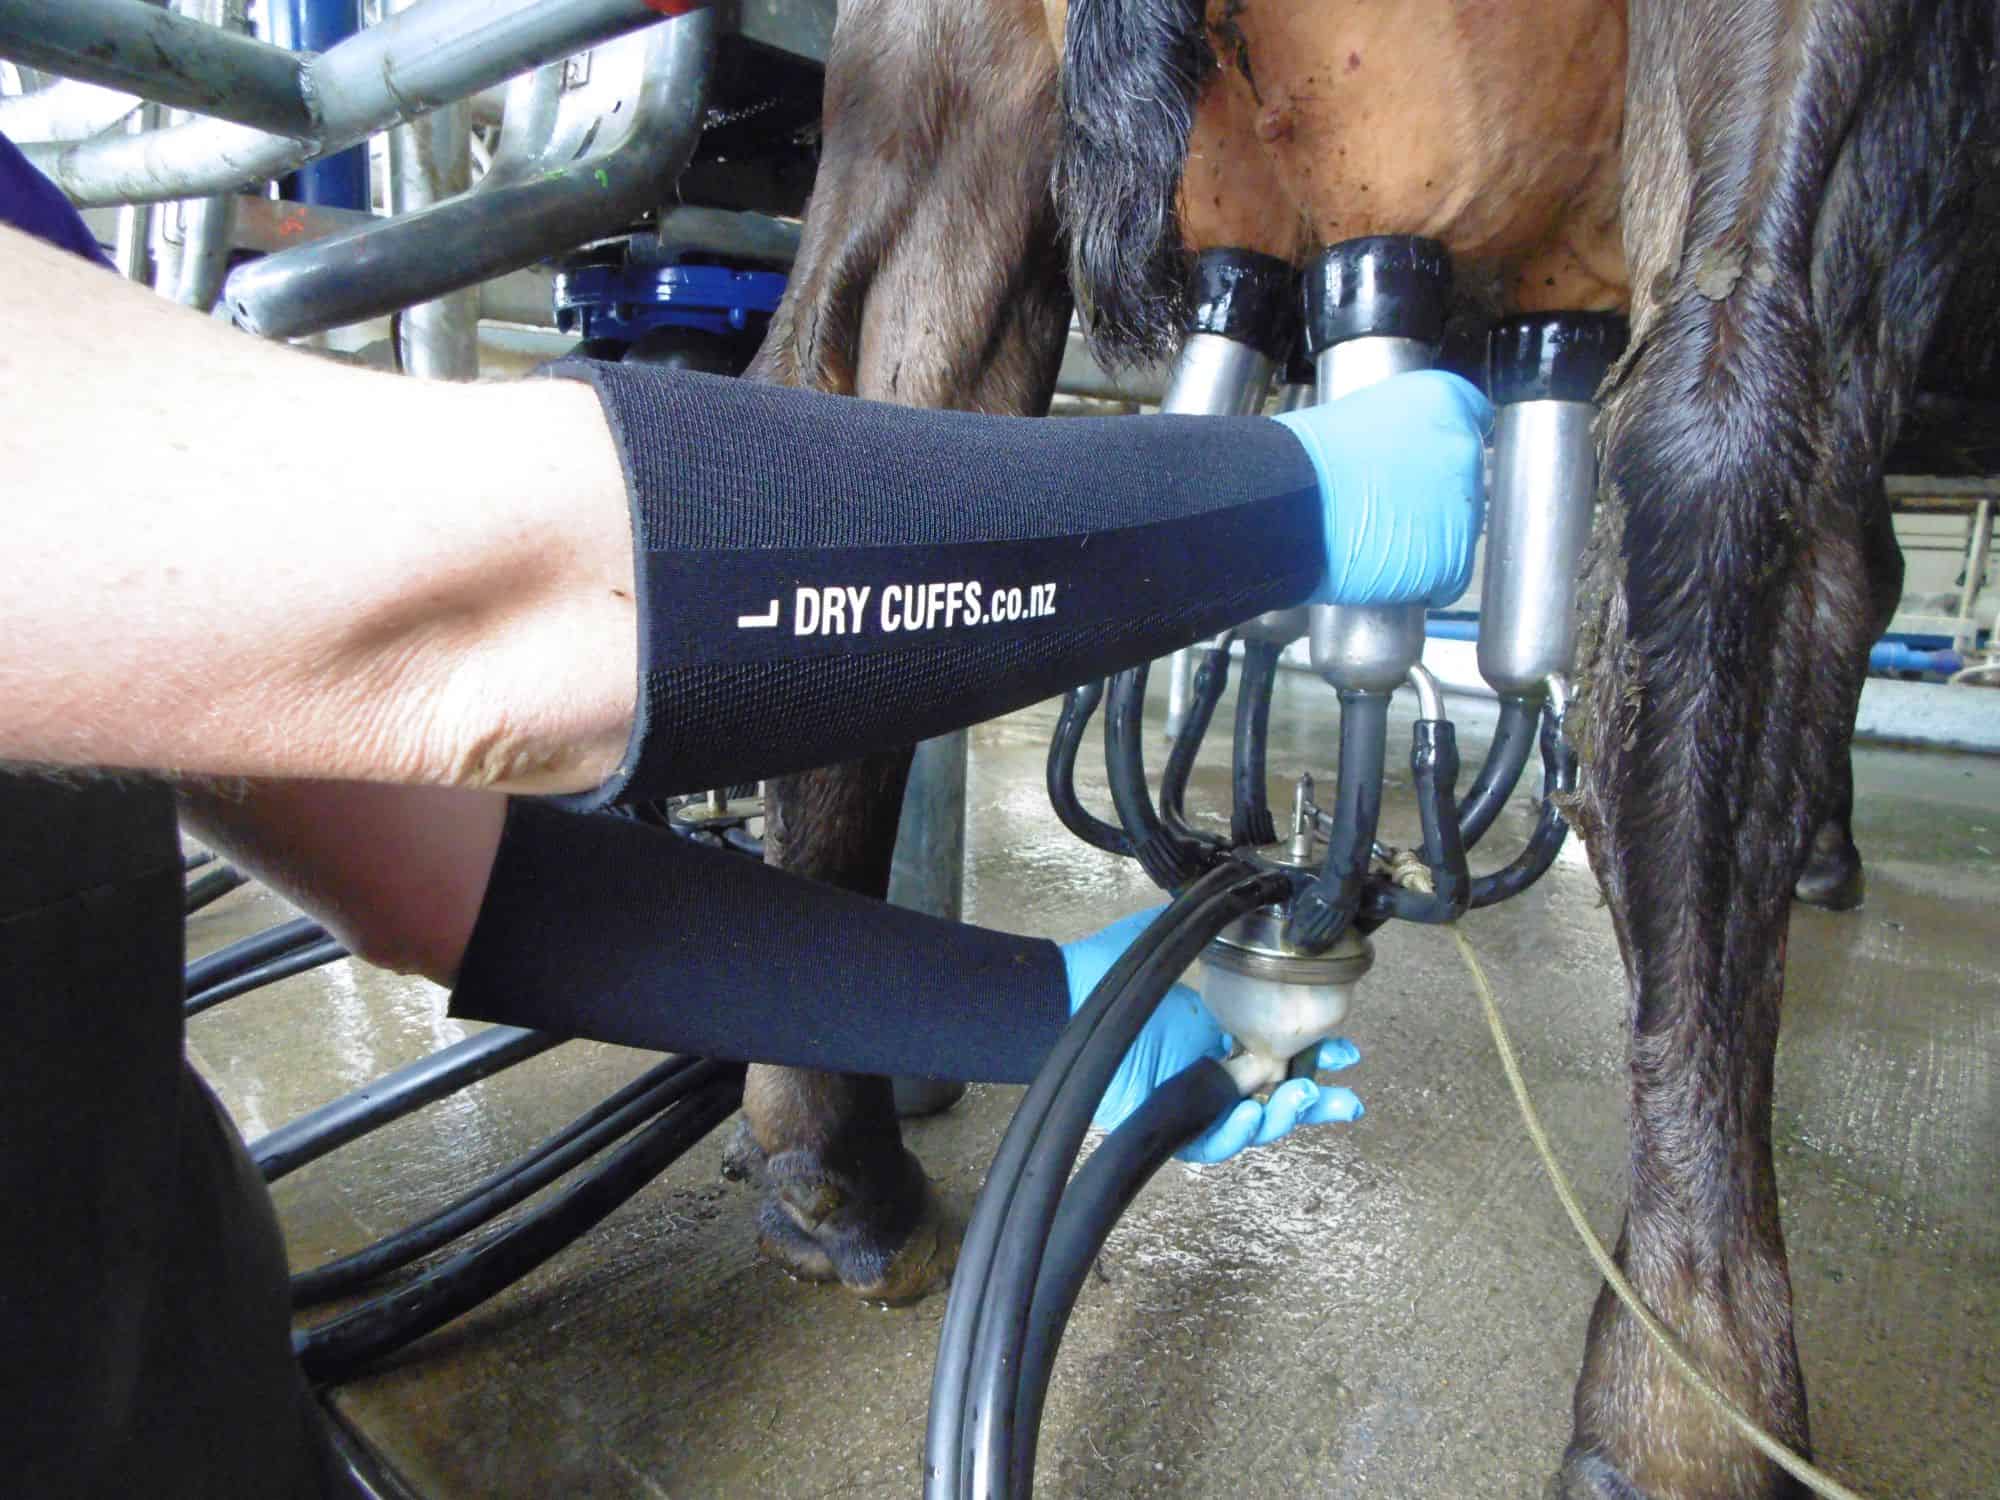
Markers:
point(1390, 1307)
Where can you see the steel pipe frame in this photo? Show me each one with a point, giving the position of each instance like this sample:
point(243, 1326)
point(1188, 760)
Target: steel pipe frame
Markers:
point(165, 56)
point(927, 869)
point(268, 227)
point(67, 110)
point(191, 245)
point(529, 117)
point(442, 51)
point(430, 162)
point(132, 246)
point(754, 236)
point(192, 238)
point(532, 211)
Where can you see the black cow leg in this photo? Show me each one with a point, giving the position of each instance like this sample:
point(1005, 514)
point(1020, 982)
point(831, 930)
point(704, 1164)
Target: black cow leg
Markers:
point(929, 273)
point(844, 1201)
point(1797, 206)
point(1832, 878)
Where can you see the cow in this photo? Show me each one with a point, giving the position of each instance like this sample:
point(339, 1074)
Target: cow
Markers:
point(1783, 193)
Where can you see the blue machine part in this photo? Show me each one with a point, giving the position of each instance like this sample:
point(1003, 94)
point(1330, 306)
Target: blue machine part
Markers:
point(341, 180)
point(623, 302)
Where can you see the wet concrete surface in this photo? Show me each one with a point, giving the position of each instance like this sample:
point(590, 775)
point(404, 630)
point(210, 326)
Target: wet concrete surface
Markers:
point(1389, 1309)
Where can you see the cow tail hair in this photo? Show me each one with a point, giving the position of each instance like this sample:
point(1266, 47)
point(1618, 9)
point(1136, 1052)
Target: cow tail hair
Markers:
point(1132, 72)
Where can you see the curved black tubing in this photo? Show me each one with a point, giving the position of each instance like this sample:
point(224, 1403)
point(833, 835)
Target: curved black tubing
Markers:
point(943, 1445)
point(394, 1095)
point(1558, 780)
point(1211, 677)
point(211, 886)
point(246, 954)
point(1250, 811)
point(1079, 703)
point(340, 1347)
point(1324, 909)
point(1513, 739)
point(1103, 1188)
point(656, 1089)
point(1001, 1255)
point(312, 956)
point(1170, 862)
point(1434, 772)
point(989, 1415)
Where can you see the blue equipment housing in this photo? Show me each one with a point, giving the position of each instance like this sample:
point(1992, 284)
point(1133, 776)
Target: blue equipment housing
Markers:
point(623, 303)
point(340, 180)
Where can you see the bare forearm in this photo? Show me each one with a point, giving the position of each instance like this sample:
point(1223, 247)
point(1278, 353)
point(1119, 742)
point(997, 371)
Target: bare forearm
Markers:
point(232, 559)
point(396, 873)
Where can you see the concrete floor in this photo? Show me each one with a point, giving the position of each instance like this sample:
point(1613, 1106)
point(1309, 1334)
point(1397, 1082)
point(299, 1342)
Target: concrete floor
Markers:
point(1390, 1309)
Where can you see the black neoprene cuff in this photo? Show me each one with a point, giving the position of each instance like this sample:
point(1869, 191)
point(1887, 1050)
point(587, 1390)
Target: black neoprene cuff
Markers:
point(819, 577)
point(605, 928)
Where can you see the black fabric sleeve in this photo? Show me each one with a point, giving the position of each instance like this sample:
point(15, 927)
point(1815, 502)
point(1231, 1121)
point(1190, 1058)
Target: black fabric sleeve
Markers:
point(605, 928)
point(819, 577)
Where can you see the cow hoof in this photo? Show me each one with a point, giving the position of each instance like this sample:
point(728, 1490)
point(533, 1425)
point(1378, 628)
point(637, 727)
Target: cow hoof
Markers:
point(894, 1254)
point(1832, 878)
point(1586, 1476)
point(742, 1158)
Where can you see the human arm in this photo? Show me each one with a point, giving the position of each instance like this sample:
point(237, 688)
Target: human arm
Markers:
point(228, 558)
point(447, 596)
point(806, 567)
point(604, 928)
point(396, 873)
point(401, 875)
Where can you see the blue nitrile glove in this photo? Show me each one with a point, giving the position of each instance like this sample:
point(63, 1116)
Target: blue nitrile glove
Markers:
point(1180, 1033)
point(1401, 465)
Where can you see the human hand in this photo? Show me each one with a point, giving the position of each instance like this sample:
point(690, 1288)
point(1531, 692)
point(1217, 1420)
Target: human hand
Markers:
point(1180, 1033)
point(1401, 467)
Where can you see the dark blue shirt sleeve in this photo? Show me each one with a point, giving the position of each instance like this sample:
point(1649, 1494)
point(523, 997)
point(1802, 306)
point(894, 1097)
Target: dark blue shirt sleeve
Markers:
point(29, 201)
point(604, 928)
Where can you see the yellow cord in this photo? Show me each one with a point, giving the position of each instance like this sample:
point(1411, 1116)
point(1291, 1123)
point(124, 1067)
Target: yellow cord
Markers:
point(1670, 1346)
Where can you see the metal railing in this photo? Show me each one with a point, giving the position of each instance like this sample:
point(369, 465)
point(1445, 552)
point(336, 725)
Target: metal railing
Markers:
point(414, 62)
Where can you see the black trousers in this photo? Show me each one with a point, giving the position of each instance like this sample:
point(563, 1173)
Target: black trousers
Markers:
point(144, 1323)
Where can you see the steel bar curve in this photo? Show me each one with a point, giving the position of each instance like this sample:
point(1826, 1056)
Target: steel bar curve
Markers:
point(474, 236)
point(412, 63)
point(166, 57)
point(66, 110)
